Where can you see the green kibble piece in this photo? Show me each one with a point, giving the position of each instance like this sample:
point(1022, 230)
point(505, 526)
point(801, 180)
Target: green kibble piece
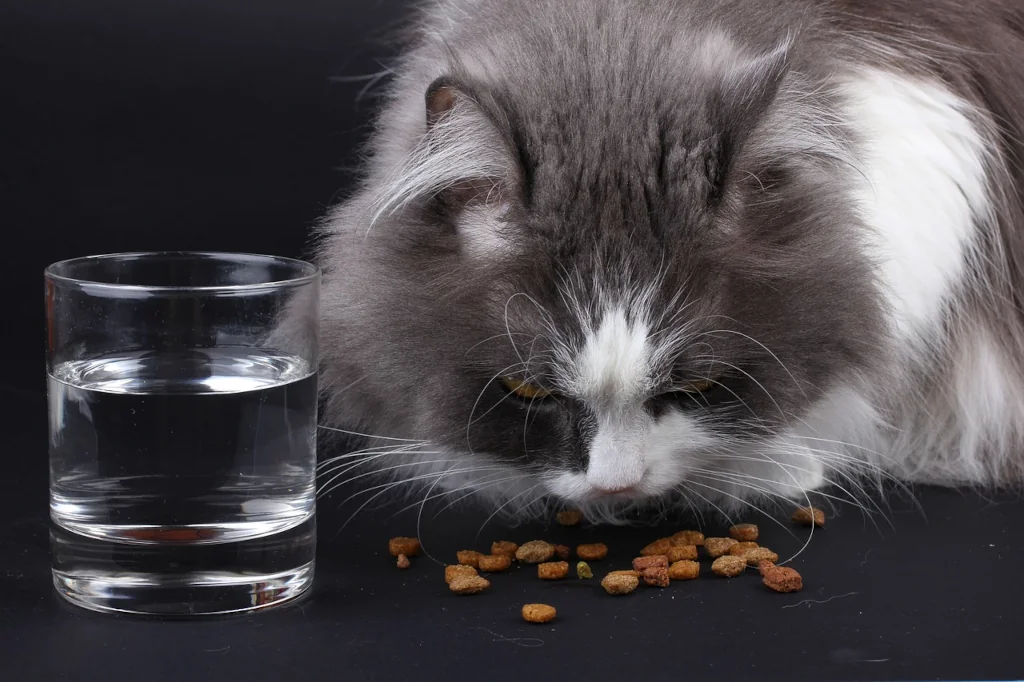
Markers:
point(583, 570)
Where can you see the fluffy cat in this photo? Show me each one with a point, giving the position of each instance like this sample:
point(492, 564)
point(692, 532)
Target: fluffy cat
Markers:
point(610, 252)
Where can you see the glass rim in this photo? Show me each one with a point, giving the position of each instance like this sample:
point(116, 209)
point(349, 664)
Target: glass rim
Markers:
point(306, 272)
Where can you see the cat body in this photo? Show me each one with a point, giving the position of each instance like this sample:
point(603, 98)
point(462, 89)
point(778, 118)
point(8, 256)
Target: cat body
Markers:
point(606, 252)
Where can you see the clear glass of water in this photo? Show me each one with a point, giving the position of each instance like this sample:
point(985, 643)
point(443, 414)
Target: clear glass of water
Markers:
point(182, 409)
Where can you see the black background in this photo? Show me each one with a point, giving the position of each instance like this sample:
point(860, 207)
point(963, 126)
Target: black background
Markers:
point(217, 125)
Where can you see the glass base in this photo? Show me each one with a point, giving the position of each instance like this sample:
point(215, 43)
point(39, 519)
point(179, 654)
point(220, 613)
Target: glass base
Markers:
point(192, 594)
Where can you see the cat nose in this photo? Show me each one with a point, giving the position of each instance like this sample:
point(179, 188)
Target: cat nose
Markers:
point(615, 490)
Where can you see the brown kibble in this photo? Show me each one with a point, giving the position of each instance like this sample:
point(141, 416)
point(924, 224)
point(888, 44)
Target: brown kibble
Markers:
point(684, 570)
point(553, 570)
point(468, 557)
point(764, 566)
point(744, 532)
point(809, 516)
point(505, 548)
point(538, 613)
point(755, 556)
point(656, 576)
point(716, 547)
point(562, 552)
point(728, 566)
point(782, 579)
point(592, 552)
point(635, 574)
point(458, 571)
point(535, 552)
point(641, 563)
point(681, 553)
point(583, 571)
point(569, 517)
point(688, 537)
point(469, 584)
point(617, 582)
point(741, 548)
point(657, 547)
point(407, 546)
point(403, 561)
point(494, 563)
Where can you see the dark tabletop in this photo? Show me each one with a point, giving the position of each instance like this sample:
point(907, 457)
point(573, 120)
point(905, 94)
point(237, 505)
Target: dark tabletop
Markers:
point(216, 125)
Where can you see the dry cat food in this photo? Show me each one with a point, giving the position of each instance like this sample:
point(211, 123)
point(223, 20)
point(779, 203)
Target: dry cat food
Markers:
point(744, 532)
point(458, 571)
point(641, 563)
point(782, 579)
point(562, 552)
point(535, 552)
point(570, 517)
point(684, 570)
point(620, 582)
point(538, 613)
point(494, 563)
point(741, 548)
point(634, 573)
point(657, 547)
point(688, 537)
point(407, 546)
point(728, 566)
point(755, 556)
point(656, 576)
point(592, 552)
point(505, 548)
point(681, 553)
point(403, 561)
point(583, 571)
point(809, 516)
point(716, 547)
point(468, 557)
point(552, 570)
point(469, 584)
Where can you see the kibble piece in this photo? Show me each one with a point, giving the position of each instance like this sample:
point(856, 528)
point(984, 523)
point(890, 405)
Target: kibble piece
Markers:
point(716, 547)
point(569, 517)
point(403, 561)
point(783, 579)
point(494, 563)
point(656, 576)
point(741, 548)
point(764, 567)
point(684, 570)
point(469, 584)
point(619, 583)
point(592, 552)
point(504, 547)
point(809, 516)
point(682, 553)
point(729, 566)
point(468, 557)
point(635, 574)
point(744, 532)
point(458, 571)
point(535, 552)
point(755, 556)
point(657, 547)
point(562, 552)
point(688, 537)
point(552, 570)
point(641, 563)
point(583, 571)
point(406, 546)
point(538, 613)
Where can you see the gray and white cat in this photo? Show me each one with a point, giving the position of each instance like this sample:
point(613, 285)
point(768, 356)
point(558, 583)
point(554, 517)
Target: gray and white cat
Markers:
point(609, 252)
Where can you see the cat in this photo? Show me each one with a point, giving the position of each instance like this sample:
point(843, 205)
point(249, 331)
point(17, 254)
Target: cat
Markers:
point(610, 253)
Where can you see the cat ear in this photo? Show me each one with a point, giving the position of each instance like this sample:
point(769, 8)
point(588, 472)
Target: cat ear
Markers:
point(462, 159)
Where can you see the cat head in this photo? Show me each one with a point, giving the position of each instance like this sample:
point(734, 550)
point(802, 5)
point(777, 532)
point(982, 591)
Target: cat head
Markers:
point(603, 271)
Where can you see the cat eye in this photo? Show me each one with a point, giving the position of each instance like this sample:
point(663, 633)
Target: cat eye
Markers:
point(701, 386)
point(523, 389)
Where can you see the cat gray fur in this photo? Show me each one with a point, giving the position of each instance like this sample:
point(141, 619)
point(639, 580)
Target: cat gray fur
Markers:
point(699, 168)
